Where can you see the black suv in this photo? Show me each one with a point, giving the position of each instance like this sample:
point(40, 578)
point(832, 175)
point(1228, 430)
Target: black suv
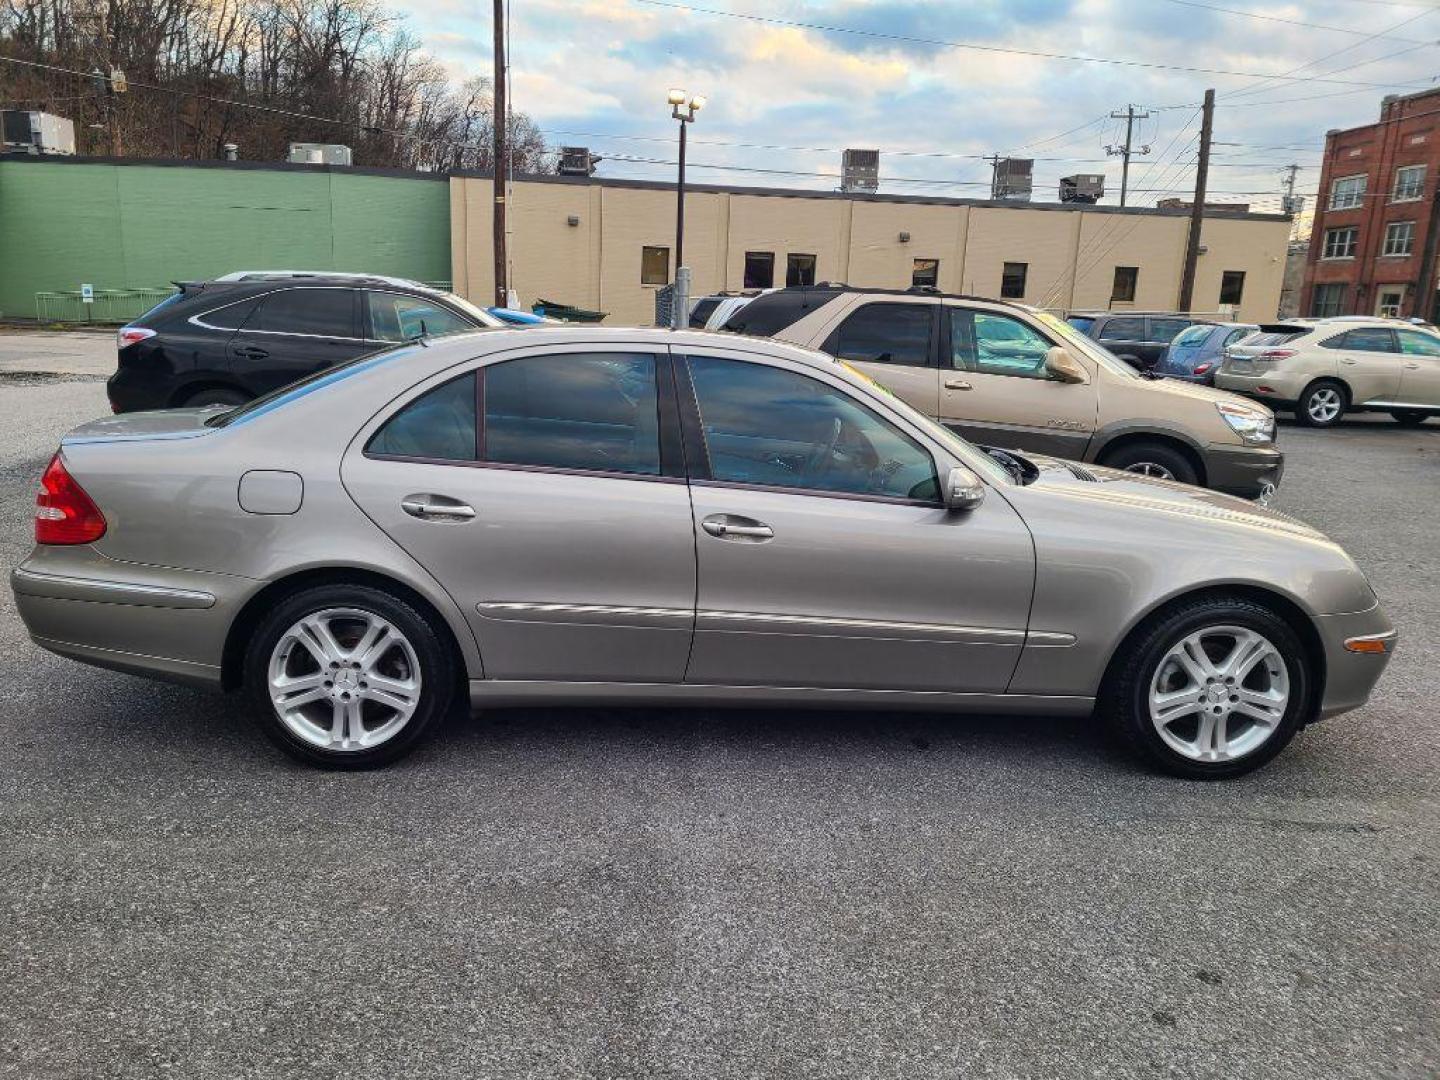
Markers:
point(226, 341)
point(1138, 338)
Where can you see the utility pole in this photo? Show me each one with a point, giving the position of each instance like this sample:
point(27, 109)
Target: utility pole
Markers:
point(1197, 209)
point(994, 160)
point(502, 157)
point(1124, 152)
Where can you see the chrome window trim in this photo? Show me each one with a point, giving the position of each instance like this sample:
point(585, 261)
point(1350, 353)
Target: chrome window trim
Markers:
point(558, 470)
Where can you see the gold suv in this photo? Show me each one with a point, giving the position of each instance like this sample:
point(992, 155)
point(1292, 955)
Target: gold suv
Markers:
point(1324, 368)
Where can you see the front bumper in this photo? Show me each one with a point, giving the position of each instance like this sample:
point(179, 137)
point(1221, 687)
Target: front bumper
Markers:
point(1349, 675)
point(1251, 472)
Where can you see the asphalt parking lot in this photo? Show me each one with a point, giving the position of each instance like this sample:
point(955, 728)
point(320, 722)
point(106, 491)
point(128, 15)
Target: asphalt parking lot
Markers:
point(617, 893)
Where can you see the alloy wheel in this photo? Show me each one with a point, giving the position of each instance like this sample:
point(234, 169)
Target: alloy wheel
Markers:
point(1325, 404)
point(1150, 468)
point(1219, 694)
point(344, 679)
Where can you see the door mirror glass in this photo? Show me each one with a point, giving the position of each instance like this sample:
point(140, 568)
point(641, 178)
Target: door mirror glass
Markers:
point(963, 489)
point(1062, 367)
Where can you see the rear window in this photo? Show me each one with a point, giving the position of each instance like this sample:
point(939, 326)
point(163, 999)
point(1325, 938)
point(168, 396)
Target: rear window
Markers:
point(773, 312)
point(169, 301)
point(702, 311)
point(1274, 337)
point(1081, 323)
point(1123, 330)
point(1192, 338)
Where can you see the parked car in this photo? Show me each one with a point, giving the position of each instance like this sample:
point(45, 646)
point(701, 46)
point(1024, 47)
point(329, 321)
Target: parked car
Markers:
point(712, 312)
point(1197, 351)
point(1326, 368)
point(226, 341)
point(585, 514)
point(1138, 338)
point(1008, 375)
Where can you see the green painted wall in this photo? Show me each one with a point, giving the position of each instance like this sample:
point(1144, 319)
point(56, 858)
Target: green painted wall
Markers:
point(137, 226)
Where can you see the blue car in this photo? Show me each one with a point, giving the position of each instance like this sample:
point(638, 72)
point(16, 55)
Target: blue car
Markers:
point(1196, 352)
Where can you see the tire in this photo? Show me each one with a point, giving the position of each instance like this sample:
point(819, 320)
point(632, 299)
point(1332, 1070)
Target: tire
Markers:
point(409, 653)
point(1409, 417)
point(216, 395)
point(1322, 404)
point(1153, 459)
point(1146, 667)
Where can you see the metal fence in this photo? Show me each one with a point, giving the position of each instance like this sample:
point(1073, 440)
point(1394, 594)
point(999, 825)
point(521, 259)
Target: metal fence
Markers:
point(109, 305)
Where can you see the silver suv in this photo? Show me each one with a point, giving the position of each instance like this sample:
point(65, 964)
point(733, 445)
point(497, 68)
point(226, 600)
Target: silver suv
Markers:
point(1325, 368)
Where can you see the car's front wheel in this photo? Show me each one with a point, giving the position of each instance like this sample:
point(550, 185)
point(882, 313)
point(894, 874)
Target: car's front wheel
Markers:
point(348, 676)
point(1153, 459)
point(1321, 405)
point(1210, 689)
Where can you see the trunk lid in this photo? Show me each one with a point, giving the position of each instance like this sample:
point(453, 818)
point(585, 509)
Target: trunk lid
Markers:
point(138, 426)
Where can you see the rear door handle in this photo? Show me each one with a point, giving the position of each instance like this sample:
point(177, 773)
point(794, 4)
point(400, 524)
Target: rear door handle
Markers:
point(250, 352)
point(1347, 360)
point(1413, 367)
point(730, 527)
point(436, 508)
point(957, 384)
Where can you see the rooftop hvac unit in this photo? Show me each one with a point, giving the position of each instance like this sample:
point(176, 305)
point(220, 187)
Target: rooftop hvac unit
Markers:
point(1013, 179)
point(37, 132)
point(860, 171)
point(312, 153)
point(577, 161)
point(1082, 188)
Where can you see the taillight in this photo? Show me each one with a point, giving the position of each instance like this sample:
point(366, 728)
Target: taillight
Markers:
point(129, 335)
point(1200, 369)
point(1275, 354)
point(64, 514)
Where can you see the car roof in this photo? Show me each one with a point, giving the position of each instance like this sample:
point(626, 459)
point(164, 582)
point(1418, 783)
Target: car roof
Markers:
point(328, 275)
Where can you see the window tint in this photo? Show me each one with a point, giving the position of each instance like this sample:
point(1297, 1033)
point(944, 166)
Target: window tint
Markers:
point(1275, 337)
point(1166, 329)
point(885, 334)
point(654, 265)
point(992, 344)
point(759, 269)
point(768, 314)
point(799, 270)
point(394, 317)
point(702, 310)
point(319, 312)
point(592, 411)
point(1368, 339)
point(1232, 286)
point(925, 273)
point(439, 424)
point(1012, 280)
point(231, 316)
point(1123, 330)
point(1123, 287)
point(763, 425)
point(1417, 344)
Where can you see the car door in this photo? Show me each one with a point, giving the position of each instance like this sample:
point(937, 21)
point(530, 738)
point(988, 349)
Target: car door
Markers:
point(824, 557)
point(545, 492)
point(893, 341)
point(1419, 369)
point(1124, 335)
point(998, 393)
point(293, 332)
point(1369, 362)
point(391, 318)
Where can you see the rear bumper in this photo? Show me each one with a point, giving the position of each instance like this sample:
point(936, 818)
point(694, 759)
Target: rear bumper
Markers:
point(132, 391)
point(1247, 471)
point(1351, 676)
point(1275, 388)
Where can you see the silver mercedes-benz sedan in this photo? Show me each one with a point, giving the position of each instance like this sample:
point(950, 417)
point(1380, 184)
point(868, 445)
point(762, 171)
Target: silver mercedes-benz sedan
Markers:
point(599, 515)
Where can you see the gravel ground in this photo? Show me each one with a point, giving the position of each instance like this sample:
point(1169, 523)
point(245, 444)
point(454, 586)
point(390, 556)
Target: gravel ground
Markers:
point(621, 893)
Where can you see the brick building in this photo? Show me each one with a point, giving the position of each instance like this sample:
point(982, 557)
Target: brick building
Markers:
point(1372, 250)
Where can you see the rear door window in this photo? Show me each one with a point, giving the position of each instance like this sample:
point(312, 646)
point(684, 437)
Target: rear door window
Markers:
point(1414, 343)
point(231, 316)
point(437, 426)
point(1123, 330)
point(885, 334)
point(315, 312)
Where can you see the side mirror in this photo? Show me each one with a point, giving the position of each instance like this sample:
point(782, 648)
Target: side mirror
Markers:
point(1062, 367)
point(963, 489)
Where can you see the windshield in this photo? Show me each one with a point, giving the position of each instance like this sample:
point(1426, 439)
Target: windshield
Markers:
point(1073, 339)
point(481, 316)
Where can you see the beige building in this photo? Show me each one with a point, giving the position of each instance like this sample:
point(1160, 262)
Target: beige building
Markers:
point(606, 245)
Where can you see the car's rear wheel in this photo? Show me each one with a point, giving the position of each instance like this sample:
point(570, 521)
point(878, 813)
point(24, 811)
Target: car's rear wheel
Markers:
point(215, 395)
point(1210, 689)
point(1153, 459)
point(1321, 405)
point(1409, 417)
point(348, 676)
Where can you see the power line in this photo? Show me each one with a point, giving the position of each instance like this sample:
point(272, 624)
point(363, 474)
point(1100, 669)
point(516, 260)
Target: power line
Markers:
point(1008, 50)
point(1293, 22)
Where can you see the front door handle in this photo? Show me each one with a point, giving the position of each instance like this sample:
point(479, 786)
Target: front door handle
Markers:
point(957, 384)
point(436, 508)
point(1347, 360)
point(731, 527)
point(1413, 367)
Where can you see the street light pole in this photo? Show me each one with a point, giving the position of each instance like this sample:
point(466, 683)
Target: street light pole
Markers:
point(683, 108)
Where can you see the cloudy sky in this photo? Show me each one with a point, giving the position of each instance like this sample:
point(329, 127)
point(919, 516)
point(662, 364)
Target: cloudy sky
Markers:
point(792, 82)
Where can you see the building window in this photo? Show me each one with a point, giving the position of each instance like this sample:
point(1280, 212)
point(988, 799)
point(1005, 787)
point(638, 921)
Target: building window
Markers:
point(654, 265)
point(799, 270)
point(925, 274)
point(1339, 243)
point(1399, 238)
point(1232, 286)
point(1409, 183)
point(1124, 287)
point(1346, 192)
point(759, 269)
point(1012, 281)
point(1390, 301)
point(1326, 301)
